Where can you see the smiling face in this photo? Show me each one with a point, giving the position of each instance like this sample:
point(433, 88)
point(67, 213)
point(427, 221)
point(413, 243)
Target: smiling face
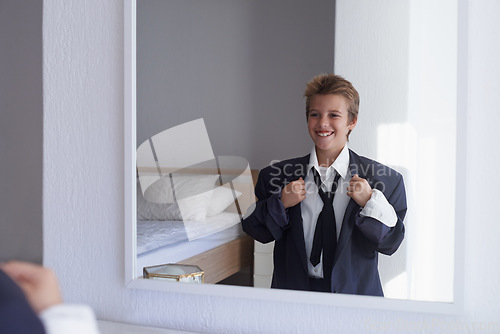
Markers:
point(328, 124)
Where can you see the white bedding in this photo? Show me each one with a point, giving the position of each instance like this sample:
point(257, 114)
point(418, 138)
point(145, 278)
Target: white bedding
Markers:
point(153, 234)
point(161, 242)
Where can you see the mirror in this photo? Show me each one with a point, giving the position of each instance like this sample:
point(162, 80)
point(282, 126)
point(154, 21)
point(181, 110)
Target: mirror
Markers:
point(241, 67)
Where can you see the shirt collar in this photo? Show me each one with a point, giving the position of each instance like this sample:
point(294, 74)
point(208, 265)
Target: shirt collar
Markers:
point(341, 164)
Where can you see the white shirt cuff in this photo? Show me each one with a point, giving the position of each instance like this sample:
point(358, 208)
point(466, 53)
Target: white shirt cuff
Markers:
point(69, 318)
point(379, 208)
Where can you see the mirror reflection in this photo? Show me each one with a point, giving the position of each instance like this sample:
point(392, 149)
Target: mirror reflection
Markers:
point(241, 68)
point(331, 212)
point(190, 204)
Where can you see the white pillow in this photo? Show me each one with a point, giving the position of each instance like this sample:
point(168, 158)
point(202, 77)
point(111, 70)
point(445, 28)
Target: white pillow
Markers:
point(192, 192)
point(155, 211)
point(222, 197)
point(194, 208)
point(160, 191)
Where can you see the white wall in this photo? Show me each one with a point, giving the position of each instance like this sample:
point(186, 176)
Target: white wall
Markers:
point(83, 185)
point(21, 131)
point(405, 70)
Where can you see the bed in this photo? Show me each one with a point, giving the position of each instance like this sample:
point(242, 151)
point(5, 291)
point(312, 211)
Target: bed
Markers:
point(200, 227)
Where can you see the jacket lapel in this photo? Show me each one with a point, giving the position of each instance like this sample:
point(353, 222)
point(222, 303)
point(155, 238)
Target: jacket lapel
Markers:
point(351, 210)
point(295, 214)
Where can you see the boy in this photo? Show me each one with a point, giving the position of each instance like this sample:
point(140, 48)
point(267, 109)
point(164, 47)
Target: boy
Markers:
point(331, 211)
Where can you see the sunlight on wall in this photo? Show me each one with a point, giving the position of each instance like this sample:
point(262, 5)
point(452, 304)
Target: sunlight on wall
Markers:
point(430, 229)
point(396, 147)
point(423, 149)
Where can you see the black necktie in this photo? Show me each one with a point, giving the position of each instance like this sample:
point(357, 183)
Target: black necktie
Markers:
point(325, 235)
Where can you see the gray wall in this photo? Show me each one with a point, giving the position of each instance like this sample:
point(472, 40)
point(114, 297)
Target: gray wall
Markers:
point(21, 118)
point(241, 65)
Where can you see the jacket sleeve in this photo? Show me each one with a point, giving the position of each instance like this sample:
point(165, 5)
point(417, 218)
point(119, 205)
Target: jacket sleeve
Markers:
point(385, 239)
point(266, 219)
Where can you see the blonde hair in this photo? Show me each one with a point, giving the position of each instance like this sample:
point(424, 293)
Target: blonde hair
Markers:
point(325, 84)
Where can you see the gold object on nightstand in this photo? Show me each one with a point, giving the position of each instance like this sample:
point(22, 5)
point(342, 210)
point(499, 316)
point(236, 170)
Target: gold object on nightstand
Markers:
point(175, 272)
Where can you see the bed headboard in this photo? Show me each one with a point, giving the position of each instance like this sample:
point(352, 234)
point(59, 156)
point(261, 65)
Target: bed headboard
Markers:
point(255, 175)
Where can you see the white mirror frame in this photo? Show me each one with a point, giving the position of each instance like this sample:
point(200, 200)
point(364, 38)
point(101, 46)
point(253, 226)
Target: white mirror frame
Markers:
point(315, 298)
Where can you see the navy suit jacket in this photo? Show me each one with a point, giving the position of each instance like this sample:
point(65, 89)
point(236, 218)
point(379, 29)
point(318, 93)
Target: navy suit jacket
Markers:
point(361, 238)
point(16, 315)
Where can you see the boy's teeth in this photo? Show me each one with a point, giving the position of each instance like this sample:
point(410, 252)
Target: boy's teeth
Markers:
point(324, 134)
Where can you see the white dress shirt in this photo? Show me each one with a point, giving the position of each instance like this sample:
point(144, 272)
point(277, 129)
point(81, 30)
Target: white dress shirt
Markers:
point(377, 207)
point(69, 318)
